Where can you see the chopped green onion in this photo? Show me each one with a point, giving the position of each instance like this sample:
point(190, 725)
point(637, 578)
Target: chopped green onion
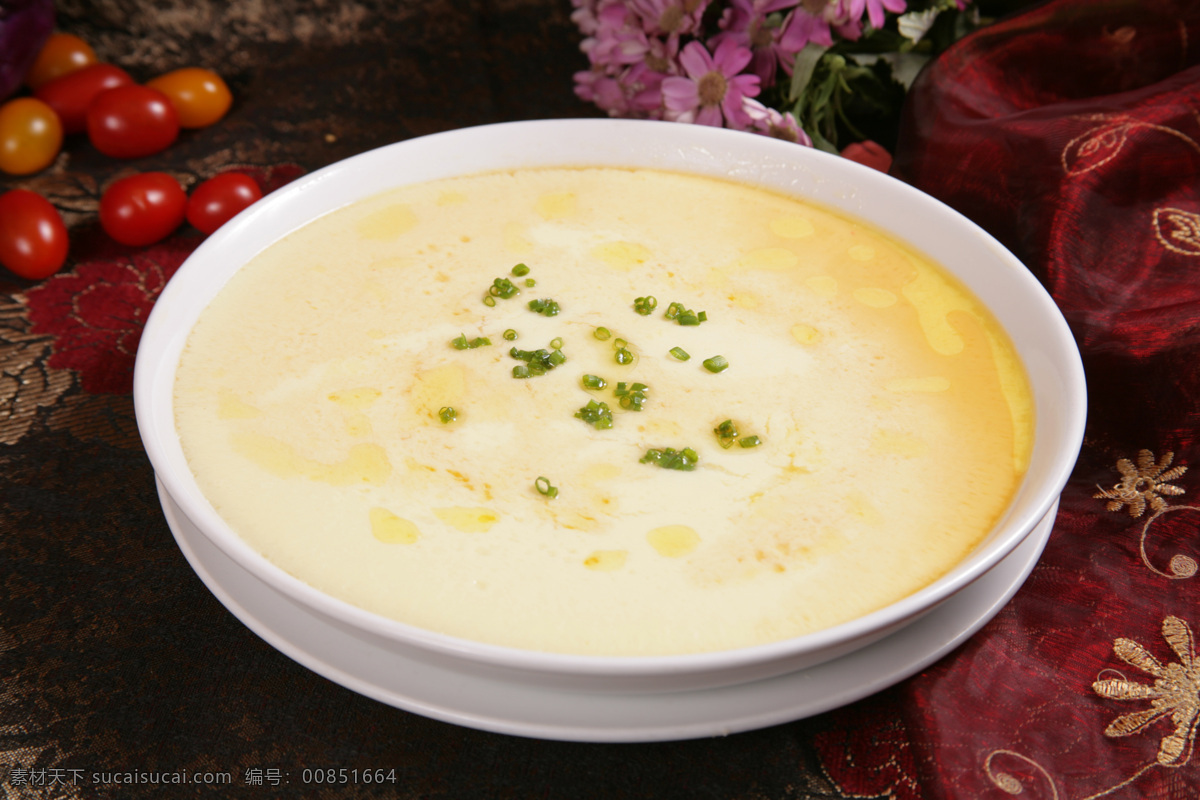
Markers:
point(530, 282)
point(602, 334)
point(716, 364)
point(537, 362)
point(543, 485)
point(598, 415)
point(447, 414)
point(632, 398)
point(503, 288)
point(624, 356)
point(669, 458)
point(594, 382)
point(547, 308)
point(510, 335)
point(489, 301)
point(556, 343)
point(726, 433)
point(619, 343)
point(520, 270)
point(460, 342)
point(644, 305)
point(684, 315)
point(750, 441)
point(680, 353)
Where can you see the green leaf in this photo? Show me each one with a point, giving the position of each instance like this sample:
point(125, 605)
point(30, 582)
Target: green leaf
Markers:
point(803, 69)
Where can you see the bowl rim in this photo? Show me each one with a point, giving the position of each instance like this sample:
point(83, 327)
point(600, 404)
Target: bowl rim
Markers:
point(744, 157)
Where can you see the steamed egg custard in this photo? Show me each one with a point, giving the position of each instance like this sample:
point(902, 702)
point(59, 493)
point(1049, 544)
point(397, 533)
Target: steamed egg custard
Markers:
point(603, 411)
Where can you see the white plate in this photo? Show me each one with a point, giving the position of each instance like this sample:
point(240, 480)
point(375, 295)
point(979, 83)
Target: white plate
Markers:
point(493, 704)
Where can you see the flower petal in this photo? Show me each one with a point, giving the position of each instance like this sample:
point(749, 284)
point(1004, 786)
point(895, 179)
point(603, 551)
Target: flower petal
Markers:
point(710, 115)
point(731, 58)
point(680, 94)
point(696, 60)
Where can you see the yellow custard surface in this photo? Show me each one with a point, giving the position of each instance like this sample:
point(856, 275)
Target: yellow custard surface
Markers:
point(894, 416)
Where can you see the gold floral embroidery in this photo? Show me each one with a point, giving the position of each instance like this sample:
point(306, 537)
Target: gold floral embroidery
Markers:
point(1177, 230)
point(1030, 770)
point(1175, 692)
point(1141, 485)
point(1102, 143)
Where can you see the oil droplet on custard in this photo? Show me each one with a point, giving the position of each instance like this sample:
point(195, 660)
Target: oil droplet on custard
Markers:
point(622, 256)
point(805, 334)
point(387, 223)
point(390, 529)
point(606, 560)
point(861, 252)
point(673, 541)
point(556, 205)
point(875, 297)
point(230, 406)
point(364, 463)
point(468, 520)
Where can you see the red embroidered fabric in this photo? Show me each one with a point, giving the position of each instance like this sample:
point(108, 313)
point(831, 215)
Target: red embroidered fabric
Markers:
point(1071, 132)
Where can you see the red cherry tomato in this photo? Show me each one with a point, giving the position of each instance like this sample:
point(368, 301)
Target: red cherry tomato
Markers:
point(142, 209)
point(33, 238)
point(30, 136)
point(217, 200)
point(131, 122)
point(199, 95)
point(70, 95)
point(61, 55)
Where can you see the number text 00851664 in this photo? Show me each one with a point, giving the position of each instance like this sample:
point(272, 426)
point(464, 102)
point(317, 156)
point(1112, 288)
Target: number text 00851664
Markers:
point(342, 775)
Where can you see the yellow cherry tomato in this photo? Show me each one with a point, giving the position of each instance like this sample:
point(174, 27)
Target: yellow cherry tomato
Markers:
point(199, 96)
point(30, 136)
point(62, 54)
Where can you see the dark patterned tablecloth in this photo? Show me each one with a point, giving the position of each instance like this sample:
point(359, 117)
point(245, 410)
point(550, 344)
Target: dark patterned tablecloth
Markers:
point(117, 664)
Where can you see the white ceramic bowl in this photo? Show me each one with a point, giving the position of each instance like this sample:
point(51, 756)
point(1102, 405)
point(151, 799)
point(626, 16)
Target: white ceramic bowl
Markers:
point(1018, 301)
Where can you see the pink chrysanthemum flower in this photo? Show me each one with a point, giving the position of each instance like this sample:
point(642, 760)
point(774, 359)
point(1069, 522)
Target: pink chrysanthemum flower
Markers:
point(799, 29)
point(773, 123)
point(773, 46)
point(617, 41)
point(633, 92)
point(584, 16)
point(875, 10)
point(749, 23)
point(669, 17)
point(643, 91)
point(593, 86)
point(846, 16)
point(662, 55)
point(713, 91)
